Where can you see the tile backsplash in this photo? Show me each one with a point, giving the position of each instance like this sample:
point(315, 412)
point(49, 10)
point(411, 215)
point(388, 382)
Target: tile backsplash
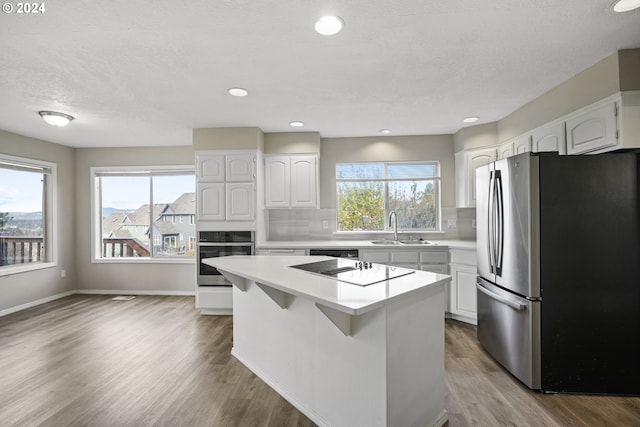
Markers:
point(308, 224)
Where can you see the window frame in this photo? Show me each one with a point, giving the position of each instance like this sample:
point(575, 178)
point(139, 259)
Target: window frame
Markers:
point(96, 219)
point(386, 181)
point(50, 208)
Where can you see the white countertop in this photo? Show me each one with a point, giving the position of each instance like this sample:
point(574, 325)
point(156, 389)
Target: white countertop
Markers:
point(275, 272)
point(361, 244)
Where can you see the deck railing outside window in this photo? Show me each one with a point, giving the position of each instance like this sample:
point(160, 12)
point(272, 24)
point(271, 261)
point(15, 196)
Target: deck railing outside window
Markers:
point(21, 250)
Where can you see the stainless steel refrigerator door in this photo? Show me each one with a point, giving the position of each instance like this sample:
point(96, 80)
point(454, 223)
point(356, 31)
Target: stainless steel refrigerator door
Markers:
point(509, 329)
point(517, 200)
point(483, 191)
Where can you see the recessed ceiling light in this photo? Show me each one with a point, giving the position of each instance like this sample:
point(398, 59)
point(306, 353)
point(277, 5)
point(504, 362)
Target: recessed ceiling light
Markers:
point(54, 118)
point(626, 5)
point(296, 124)
point(238, 91)
point(385, 131)
point(470, 119)
point(329, 25)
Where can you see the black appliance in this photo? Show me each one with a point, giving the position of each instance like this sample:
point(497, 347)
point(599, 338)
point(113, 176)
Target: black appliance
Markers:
point(213, 244)
point(338, 253)
point(559, 270)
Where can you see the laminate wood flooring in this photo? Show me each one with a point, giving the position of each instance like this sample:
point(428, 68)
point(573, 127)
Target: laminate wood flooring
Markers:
point(87, 360)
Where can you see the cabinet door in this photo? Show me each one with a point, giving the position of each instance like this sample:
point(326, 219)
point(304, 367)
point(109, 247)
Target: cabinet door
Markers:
point(381, 256)
point(304, 182)
point(240, 201)
point(210, 201)
point(240, 167)
point(210, 167)
point(549, 138)
point(592, 130)
point(522, 144)
point(277, 185)
point(462, 297)
point(505, 150)
point(475, 159)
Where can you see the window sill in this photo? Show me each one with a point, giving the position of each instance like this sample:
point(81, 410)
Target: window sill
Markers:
point(143, 261)
point(24, 268)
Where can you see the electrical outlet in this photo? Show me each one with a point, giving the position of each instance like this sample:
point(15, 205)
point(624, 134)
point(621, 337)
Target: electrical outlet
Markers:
point(325, 224)
point(451, 223)
point(63, 274)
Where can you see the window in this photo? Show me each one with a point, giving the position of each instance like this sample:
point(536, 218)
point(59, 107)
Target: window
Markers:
point(135, 212)
point(27, 209)
point(369, 192)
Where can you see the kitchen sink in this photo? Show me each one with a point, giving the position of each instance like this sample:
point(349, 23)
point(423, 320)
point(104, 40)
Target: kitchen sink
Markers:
point(386, 242)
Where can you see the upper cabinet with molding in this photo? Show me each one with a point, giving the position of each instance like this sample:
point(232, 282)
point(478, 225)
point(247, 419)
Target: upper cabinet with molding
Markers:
point(549, 137)
point(466, 163)
point(291, 181)
point(593, 128)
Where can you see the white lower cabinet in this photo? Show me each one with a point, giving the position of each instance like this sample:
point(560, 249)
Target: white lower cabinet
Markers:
point(462, 291)
point(433, 259)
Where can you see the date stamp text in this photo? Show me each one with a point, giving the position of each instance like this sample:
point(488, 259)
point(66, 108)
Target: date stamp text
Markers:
point(24, 8)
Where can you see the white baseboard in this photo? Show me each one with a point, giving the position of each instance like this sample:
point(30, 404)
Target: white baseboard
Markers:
point(34, 303)
point(91, 292)
point(132, 292)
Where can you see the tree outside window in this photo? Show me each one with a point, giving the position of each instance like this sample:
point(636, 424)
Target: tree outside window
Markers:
point(368, 192)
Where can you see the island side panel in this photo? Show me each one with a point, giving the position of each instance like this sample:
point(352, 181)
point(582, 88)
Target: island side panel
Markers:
point(334, 379)
point(416, 382)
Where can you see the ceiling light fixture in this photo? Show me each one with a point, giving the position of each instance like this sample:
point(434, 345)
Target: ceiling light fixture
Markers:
point(470, 119)
point(296, 124)
point(626, 5)
point(385, 131)
point(238, 91)
point(55, 119)
point(329, 25)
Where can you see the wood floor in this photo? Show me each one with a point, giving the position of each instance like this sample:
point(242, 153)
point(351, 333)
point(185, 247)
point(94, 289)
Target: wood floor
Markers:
point(154, 361)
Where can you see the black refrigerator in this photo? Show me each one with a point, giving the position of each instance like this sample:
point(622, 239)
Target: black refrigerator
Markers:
point(559, 270)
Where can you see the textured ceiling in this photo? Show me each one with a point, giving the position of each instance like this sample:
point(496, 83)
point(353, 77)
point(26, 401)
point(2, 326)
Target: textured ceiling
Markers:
point(142, 73)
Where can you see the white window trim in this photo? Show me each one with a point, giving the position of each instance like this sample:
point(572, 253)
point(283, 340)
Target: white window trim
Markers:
point(96, 226)
point(51, 225)
point(386, 231)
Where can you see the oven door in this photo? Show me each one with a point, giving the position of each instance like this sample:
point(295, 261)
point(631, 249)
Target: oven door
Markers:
point(210, 276)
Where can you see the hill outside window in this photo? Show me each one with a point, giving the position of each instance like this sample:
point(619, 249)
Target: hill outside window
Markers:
point(368, 192)
point(144, 214)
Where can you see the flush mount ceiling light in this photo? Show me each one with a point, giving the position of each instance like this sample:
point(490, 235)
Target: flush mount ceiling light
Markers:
point(329, 25)
point(296, 124)
point(385, 131)
point(54, 118)
point(626, 5)
point(470, 119)
point(238, 91)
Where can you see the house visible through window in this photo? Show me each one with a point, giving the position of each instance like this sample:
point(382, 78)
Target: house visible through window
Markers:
point(27, 226)
point(138, 209)
point(368, 192)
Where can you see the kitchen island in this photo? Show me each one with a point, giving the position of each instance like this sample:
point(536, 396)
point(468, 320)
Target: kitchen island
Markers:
point(343, 354)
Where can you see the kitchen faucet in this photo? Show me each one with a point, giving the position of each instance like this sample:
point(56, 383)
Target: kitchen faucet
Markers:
point(394, 217)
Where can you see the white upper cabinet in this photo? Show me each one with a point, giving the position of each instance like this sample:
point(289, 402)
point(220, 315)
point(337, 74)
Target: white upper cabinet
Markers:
point(240, 167)
point(304, 182)
point(210, 201)
point(240, 201)
point(522, 144)
point(466, 163)
point(592, 129)
point(291, 181)
point(210, 167)
point(505, 150)
point(277, 181)
point(549, 137)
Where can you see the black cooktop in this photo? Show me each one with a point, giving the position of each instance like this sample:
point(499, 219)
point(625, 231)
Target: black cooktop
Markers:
point(359, 273)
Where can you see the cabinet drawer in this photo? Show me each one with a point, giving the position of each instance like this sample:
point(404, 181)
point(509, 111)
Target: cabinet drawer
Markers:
point(404, 257)
point(434, 257)
point(461, 256)
point(435, 268)
point(375, 256)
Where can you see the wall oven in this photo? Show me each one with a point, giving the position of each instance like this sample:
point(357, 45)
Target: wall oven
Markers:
point(212, 244)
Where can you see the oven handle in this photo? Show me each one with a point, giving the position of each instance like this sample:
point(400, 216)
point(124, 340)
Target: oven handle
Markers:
point(213, 244)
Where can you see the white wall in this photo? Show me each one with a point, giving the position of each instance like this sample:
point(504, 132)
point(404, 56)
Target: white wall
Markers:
point(23, 288)
point(146, 277)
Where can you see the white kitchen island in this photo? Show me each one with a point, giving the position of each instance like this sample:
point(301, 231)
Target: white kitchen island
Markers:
point(344, 355)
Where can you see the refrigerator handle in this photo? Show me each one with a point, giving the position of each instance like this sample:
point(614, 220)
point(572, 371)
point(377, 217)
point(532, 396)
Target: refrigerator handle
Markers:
point(503, 300)
point(499, 247)
point(491, 223)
